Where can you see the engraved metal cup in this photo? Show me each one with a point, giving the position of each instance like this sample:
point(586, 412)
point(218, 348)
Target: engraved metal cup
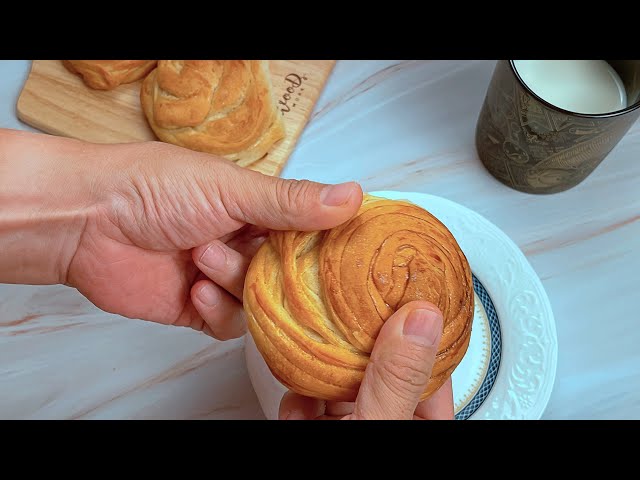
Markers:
point(535, 147)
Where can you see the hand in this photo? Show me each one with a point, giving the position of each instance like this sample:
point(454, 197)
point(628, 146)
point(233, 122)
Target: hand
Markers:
point(152, 231)
point(397, 374)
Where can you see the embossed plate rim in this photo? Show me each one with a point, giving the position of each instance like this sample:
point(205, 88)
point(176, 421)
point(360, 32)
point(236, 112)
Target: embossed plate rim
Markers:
point(483, 388)
point(523, 385)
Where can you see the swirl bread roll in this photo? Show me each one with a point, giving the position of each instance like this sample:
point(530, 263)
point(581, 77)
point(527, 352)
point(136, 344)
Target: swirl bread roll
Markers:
point(109, 74)
point(315, 301)
point(222, 107)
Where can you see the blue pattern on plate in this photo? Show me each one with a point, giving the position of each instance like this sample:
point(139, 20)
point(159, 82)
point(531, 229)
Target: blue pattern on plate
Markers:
point(494, 361)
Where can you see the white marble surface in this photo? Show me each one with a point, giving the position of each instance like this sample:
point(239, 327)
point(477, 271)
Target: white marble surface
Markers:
point(390, 125)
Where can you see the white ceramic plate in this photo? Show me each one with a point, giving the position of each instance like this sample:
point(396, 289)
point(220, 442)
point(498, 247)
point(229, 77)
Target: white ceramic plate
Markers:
point(510, 366)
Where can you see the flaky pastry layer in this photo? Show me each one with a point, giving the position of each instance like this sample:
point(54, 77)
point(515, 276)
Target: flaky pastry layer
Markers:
point(316, 301)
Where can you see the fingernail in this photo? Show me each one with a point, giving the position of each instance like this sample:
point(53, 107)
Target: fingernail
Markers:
point(214, 257)
point(208, 295)
point(336, 195)
point(424, 326)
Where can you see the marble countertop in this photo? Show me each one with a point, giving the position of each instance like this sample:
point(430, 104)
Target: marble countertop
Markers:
point(389, 125)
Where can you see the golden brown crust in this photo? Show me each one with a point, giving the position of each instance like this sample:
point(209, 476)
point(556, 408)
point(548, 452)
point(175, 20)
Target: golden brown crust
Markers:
point(222, 107)
point(108, 74)
point(315, 301)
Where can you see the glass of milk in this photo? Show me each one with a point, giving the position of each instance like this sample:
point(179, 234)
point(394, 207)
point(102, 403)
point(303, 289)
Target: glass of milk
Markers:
point(545, 125)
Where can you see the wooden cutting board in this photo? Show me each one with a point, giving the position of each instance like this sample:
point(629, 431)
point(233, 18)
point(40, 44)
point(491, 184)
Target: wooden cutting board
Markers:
point(58, 102)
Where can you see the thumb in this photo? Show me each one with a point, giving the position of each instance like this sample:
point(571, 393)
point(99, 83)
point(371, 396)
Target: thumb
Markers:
point(401, 363)
point(280, 204)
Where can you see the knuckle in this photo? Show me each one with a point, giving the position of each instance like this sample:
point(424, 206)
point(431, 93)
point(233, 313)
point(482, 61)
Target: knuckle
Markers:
point(226, 328)
point(293, 194)
point(401, 373)
point(218, 330)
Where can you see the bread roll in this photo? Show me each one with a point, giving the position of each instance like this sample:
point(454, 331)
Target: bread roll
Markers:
point(315, 301)
point(222, 107)
point(108, 74)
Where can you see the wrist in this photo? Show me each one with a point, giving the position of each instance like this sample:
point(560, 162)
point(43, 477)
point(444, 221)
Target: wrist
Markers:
point(46, 197)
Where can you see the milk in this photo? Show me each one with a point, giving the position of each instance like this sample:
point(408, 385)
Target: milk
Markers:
point(580, 86)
